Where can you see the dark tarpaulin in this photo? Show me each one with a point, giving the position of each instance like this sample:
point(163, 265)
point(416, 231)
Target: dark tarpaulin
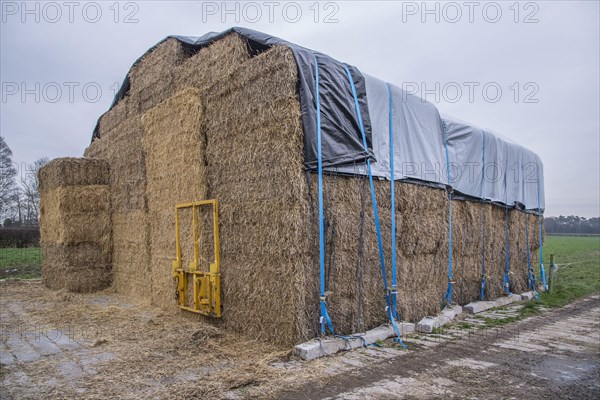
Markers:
point(341, 137)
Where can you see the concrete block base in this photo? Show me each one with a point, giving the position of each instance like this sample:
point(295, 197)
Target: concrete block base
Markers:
point(480, 306)
point(428, 324)
point(527, 295)
point(325, 347)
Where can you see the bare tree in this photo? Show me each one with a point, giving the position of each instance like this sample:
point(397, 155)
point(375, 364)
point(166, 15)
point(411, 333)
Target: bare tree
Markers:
point(30, 185)
point(8, 173)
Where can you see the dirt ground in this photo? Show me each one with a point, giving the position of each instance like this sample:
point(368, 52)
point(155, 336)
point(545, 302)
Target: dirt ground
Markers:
point(62, 345)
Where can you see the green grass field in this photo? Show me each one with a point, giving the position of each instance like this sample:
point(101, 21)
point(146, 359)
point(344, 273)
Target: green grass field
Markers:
point(578, 273)
point(23, 263)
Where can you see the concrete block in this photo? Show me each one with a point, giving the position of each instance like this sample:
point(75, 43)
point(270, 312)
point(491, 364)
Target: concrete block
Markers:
point(502, 301)
point(314, 348)
point(506, 300)
point(427, 325)
point(451, 311)
point(406, 328)
point(479, 306)
point(380, 333)
point(527, 295)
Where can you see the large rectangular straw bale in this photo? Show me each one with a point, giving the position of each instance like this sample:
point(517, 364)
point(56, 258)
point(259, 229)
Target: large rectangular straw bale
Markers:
point(76, 268)
point(422, 241)
point(467, 220)
point(97, 149)
point(63, 172)
point(129, 211)
point(125, 109)
point(422, 219)
point(130, 254)
point(76, 214)
point(211, 64)
point(75, 224)
point(495, 250)
point(467, 278)
point(153, 77)
point(534, 231)
point(256, 172)
point(128, 169)
point(518, 251)
point(174, 147)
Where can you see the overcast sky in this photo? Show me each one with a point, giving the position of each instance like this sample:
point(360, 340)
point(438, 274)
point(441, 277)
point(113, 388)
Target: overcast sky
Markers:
point(61, 63)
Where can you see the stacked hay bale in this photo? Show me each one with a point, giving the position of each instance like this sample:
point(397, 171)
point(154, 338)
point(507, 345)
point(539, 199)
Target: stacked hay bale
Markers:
point(254, 154)
point(75, 224)
point(176, 174)
point(129, 206)
point(220, 123)
point(467, 219)
point(422, 221)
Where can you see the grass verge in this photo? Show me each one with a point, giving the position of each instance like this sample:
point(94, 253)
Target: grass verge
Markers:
point(578, 272)
point(24, 263)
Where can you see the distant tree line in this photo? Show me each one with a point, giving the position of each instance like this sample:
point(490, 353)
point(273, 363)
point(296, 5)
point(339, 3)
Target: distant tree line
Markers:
point(572, 225)
point(19, 191)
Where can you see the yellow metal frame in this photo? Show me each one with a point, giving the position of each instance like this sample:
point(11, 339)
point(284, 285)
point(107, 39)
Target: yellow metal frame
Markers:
point(206, 284)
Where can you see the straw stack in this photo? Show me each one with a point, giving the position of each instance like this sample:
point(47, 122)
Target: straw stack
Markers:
point(75, 224)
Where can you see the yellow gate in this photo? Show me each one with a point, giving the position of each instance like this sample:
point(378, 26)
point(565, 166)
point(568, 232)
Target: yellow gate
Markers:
point(206, 284)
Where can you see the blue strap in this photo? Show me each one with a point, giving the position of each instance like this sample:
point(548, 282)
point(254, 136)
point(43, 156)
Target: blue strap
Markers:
point(530, 274)
point(482, 293)
point(506, 280)
point(347, 339)
point(324, 314)
point(540, 216)
point(394, 289)
point(373, 197)
point(393, 310)
point(448, 295)
point(375, 212)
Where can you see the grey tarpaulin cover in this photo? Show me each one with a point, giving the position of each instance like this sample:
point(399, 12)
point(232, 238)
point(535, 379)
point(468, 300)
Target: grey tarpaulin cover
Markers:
point(482, 164)
point(488, 166)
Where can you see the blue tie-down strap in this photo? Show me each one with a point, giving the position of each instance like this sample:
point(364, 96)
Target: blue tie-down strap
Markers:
point(542, 269)
point(531, 283)
point(394, 301)
point(347, 338)
point(543, 276)
point(482, 293)
point(506, 279)
point(392, 319)
point(530, 274)
point(325, 320)
point(448, 295)
point(388, 296)
point(393, 293)
point(540, 217)
point(506, 283)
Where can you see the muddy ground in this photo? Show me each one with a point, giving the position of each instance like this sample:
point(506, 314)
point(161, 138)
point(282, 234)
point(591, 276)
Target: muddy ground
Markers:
point(62, 345)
